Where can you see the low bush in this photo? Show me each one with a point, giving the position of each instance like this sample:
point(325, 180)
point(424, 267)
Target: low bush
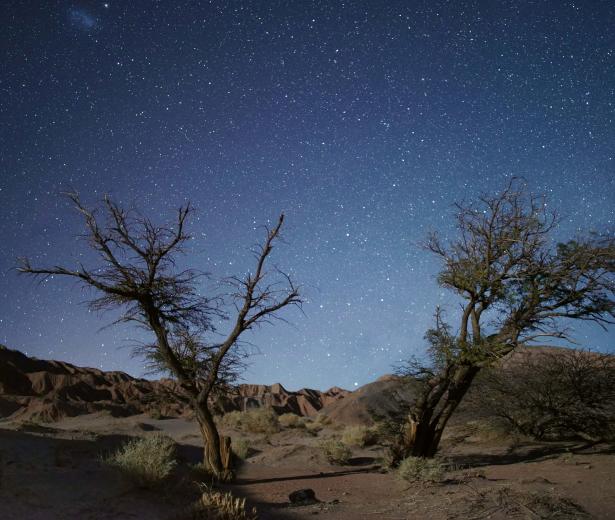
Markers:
point(261, 420)
point(155, 413)
point(360, 436)
point(232, 420)
point(313, 427)
point(256, 420)
point(420, 469)
point(552, 394)
point(322, 419)
point(520, 504)
point(291, 420)
point(336, 452)
point(241, 448)
point(147, 461)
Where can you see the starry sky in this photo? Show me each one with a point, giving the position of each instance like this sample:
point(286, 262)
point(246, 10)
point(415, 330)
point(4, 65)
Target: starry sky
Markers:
point(364, 121)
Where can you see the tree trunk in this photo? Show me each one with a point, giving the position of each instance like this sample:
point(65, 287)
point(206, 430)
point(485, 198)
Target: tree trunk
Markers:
point(216, 448)
point(422, 431)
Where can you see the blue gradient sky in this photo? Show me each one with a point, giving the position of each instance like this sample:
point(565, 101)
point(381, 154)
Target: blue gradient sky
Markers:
point(363, 121)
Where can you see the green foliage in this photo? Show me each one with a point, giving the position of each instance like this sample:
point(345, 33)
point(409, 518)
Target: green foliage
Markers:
point(147, 461)
point(335, 451)
point(420, 469)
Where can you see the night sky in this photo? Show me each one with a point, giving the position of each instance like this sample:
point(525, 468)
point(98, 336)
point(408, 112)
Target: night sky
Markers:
point(362, 121)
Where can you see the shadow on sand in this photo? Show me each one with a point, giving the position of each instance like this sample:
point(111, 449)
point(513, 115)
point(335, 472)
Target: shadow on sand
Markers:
point(531, 452)
point(284, 511)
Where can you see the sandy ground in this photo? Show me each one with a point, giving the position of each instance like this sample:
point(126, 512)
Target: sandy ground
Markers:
point(55, 472)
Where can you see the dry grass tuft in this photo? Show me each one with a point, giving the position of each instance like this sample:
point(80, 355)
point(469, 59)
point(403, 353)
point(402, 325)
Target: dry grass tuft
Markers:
point(323, 419)
point(335, 451)
point(155, 413)
point(214, 505)
point(241, 448)
point(146, 461)
point(257, 420)
point(506, 502)
point(360, 436)
point(420, 469)
point(313, 427)
point(232, 420)
point(317, 424)
point(291, 420)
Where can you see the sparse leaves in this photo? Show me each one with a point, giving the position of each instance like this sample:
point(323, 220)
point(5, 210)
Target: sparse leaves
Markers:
point(138, 274)
point(516, 289)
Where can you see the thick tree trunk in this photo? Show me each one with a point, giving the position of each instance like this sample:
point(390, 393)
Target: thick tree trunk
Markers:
point(216, 448)
point(422, 432)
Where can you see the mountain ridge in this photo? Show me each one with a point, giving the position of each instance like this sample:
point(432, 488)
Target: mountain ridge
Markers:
point(49, 390)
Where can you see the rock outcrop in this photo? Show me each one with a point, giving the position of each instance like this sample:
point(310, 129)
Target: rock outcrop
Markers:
point(306, 402)
point(384, 398)
point(32, 388)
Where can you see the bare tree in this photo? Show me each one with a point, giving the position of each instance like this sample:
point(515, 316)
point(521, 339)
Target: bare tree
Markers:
point(138, 273)
point(515, 288)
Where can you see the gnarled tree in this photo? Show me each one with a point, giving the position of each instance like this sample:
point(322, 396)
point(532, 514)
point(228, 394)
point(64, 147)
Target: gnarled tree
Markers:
point(137, 273)
point(515, 287)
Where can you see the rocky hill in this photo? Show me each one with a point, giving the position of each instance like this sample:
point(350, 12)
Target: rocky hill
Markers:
point(32, 388)
point(384, 398)
point(50, 390)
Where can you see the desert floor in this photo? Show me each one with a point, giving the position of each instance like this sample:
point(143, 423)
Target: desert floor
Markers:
point(55, 472)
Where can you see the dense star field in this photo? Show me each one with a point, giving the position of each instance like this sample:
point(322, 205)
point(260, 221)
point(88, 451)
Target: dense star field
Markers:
point(362, 121)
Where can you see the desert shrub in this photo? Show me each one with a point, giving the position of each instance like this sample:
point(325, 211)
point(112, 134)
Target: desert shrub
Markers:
point(511, 503)
point(291, 420)
point(232, 420)
point(420, 469)
point(256, 420)
point(553, 394)
point(313, 427)
point(335, 451)
point(322, 419)
point(155, 413)
point(146, 461)
point(495, 429)
point(261, 420)
point(241, 448)
point(317, 423)
point(215, 505)
point(359, 436)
